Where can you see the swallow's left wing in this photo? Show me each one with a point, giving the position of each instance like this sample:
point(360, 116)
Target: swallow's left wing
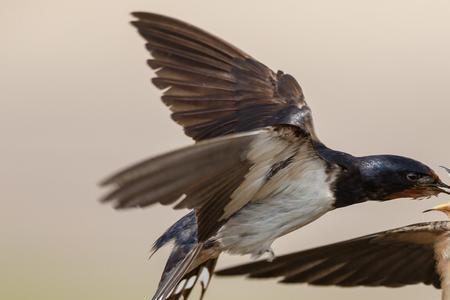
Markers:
point(217, 177)
point(391, 258)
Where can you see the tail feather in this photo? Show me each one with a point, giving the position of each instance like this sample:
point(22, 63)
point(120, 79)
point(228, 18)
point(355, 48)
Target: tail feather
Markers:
point(183, 233)
point(202, 274)
point(175, 277)
point(189, 262)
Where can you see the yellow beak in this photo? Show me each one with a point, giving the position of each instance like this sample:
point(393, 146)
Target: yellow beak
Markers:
point(442, 207)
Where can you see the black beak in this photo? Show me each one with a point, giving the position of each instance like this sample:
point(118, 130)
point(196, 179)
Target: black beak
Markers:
point(427, 210)
point(442, 187)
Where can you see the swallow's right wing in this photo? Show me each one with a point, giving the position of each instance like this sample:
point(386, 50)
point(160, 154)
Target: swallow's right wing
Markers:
point(212, 87)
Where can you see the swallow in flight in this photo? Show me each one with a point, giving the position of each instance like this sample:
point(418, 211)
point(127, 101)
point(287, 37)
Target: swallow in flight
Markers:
point(257, 170)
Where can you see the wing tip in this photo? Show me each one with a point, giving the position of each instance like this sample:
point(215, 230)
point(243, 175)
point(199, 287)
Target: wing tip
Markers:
point(105, 182)
point(144, 14)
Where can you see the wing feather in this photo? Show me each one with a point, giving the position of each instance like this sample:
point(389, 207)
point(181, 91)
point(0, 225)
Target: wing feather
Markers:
point(391, 258)
point(165, 178)
point(212, 87)
point(216, 177)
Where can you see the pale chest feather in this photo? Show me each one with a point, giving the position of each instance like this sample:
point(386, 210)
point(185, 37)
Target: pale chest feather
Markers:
point(296, 196)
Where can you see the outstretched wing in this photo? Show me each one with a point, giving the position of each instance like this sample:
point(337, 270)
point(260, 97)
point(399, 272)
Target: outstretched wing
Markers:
point(213, 88)
point(391, 258)
point(249, 122)
point(217, 177)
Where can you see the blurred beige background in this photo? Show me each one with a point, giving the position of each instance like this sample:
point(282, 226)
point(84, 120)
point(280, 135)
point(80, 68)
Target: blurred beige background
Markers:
point(76, 104)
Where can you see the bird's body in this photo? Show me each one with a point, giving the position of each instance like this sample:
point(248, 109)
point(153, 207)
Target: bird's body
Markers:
point(257, 170)
point(253, 229)
point(418, 253)
point(279, 201)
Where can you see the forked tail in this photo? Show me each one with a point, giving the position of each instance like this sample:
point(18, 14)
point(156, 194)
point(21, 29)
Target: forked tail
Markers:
point(189, 262)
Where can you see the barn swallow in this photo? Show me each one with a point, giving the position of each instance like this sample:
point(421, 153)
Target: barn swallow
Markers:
point(257, 170)
point(413, 254)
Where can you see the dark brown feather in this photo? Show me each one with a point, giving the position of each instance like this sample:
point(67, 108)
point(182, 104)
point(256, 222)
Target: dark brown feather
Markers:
point(391, 258)
point(212, 87)
point(200, 172)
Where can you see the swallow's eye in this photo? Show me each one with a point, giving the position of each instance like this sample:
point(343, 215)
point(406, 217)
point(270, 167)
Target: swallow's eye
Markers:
point(420, 178)
point(413, 176)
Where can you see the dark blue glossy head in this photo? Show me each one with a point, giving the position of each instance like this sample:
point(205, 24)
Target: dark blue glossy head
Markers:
point(389, 177)
point(386, 177)
point(379, 166)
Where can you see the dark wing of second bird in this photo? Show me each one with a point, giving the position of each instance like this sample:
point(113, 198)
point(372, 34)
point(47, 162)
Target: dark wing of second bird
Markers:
point(214, 89)
point(391, 258)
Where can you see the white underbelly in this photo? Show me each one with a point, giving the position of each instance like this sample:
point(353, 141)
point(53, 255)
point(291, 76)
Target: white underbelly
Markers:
point(253, 229)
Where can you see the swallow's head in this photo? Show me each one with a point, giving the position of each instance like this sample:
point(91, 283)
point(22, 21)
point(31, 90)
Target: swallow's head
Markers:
point(445, 208)
point(388, 177)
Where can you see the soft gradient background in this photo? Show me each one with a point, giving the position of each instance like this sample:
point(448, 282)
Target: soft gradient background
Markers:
point(76, 105)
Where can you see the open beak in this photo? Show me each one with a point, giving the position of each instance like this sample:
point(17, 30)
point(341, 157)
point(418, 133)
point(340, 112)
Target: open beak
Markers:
point(442, 187)
point(441, 207)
